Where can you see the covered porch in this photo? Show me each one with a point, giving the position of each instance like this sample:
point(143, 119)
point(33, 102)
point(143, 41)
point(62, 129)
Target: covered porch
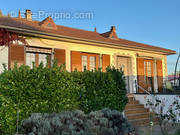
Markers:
point(146, 74)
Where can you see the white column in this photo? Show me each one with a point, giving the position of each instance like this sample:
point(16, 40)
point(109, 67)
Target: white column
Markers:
point(155, 76)
point(3, 57)
point(68, 60)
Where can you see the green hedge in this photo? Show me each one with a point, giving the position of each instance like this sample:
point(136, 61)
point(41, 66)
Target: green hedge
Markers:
point(46, 90)
point(101, 90)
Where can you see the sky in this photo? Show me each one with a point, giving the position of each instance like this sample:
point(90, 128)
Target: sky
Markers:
point(154, 22)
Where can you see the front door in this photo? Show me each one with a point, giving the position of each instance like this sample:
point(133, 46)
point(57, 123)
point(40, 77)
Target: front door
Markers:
point(124, 64)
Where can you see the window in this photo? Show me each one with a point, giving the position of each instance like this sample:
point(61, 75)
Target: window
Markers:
point(84, 63)
point(147, 70)
point(92, 62)
point(43, 59)
point(49, 25)
point(30, 59)
point(37, 55)
point(89, 61)
point(36, 58)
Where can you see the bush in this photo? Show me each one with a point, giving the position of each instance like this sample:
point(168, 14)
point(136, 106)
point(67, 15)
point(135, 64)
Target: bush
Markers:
point(47, 90)
point(119, 78)
point(103, 122)
point(101, 90)
point(8, 118)
point(177, 132)
point(37, 90)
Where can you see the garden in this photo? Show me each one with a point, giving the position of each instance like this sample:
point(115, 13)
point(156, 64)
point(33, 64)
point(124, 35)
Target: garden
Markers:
point(45, 100)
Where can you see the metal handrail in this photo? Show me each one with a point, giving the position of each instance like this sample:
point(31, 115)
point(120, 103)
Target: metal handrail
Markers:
point(151, 95)
point(142, 88)
point(153, 98)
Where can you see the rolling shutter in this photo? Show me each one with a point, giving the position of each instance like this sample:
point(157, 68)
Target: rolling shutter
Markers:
point(60, 56)
point(140, 73)
point(160, 75)
point(105, 62)
point(76, 61)
point(16, 55)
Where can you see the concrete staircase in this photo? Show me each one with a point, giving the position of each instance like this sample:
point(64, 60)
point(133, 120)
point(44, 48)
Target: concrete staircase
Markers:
point(136, 113)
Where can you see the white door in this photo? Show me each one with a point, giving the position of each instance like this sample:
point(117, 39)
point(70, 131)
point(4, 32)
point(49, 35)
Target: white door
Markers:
point(124, 64)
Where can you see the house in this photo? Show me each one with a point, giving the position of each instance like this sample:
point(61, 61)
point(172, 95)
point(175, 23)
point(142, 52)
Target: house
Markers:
point(80, 49)
point(175, 80)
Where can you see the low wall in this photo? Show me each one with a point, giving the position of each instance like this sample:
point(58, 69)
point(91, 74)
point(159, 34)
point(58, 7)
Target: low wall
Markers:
point(166, 104)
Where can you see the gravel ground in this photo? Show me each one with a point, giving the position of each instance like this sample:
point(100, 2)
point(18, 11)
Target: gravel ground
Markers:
point(146, 130)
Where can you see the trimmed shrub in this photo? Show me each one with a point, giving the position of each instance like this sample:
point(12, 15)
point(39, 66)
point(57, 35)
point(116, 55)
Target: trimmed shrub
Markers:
point(8, 117)
point(119, 78)
point(177, 132)
point(40, 89)
point(101, 90)
point(47, 90)
point(103, 122)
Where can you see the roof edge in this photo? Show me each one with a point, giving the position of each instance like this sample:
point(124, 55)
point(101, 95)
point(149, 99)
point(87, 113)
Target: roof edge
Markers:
point(22, 31)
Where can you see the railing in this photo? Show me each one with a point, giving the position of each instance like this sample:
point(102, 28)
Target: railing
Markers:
point(138, 86)
point(153, 98)
point(167, 88)
point(170, 86)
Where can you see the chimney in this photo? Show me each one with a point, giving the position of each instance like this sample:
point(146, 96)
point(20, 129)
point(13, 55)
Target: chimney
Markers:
point(95, 29)
point(19, 14)
point(28, 15)
point(113, 28)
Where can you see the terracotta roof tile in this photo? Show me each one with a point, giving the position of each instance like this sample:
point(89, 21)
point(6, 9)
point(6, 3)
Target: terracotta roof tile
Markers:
point(76, 33)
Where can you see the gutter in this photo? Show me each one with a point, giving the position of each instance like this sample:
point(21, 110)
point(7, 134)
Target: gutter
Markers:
point(56, 36)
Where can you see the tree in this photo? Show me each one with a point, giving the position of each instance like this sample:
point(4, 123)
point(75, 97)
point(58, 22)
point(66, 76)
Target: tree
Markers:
point(6, 37)
point(1, 14)
point(9, 15)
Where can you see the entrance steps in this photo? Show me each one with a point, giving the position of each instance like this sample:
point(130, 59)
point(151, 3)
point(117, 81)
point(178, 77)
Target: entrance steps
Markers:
point(137, 114)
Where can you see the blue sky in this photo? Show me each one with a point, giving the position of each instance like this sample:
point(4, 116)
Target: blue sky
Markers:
point(155, 22)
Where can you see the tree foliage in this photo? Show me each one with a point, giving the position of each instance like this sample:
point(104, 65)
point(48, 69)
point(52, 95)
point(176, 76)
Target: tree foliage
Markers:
point(1, 14)
point(8, 15)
